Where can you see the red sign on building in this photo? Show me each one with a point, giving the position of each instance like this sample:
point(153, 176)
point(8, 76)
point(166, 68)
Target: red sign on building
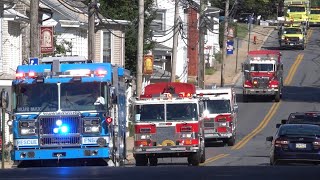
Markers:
point(46, 40)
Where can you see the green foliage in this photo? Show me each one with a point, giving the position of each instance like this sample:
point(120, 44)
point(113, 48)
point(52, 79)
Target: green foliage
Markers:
point(60, 48)
point(129, 10)
point(210, 70)
point(265, 8)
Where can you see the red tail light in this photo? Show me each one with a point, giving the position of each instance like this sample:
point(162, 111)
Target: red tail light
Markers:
point(281, 142)
point(187, 127)
point(145, 129)
point(109, 120)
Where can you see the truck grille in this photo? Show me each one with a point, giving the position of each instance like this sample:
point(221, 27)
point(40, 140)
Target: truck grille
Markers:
point(165, 133)
point(295, 39)
point(209, 124)
point(263, 82)
point(48, 137)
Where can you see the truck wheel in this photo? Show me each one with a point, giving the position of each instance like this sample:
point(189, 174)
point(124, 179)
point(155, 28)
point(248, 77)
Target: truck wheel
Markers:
point(231, 141)
point(302, 47)
point(277, 97)
point(203, 152)
point(194, 159)
point(153, 161)
point(141, 160)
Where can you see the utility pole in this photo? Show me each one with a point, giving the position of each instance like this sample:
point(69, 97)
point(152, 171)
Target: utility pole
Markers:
point(91, 34)
point(201, 65)
point(249, 30)
point(175, 41)
point(140, 47)
point(225, 38)
point(34, 28)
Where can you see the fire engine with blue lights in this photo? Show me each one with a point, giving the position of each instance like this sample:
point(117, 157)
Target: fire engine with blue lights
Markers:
point(167, 123)
point(262, 72)
point(70, 111)
point(220, 114)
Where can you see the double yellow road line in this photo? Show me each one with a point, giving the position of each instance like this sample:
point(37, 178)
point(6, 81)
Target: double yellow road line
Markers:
point(293, 69)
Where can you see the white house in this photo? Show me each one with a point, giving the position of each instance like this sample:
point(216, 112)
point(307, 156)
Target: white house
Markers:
point(10, 50)
point(163, 34)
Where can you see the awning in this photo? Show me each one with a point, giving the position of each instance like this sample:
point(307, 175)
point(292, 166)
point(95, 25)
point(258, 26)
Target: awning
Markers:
point(12, 15)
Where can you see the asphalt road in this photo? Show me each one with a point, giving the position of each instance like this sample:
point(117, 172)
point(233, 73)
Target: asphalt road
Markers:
point(249, 158)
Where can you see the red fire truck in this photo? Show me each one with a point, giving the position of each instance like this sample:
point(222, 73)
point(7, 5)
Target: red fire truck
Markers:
point(167, 124)
point(220, 114)
point(263, 74)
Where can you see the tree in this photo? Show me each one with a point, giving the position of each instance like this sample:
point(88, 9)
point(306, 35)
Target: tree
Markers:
point(128, 10)
point(265, 8)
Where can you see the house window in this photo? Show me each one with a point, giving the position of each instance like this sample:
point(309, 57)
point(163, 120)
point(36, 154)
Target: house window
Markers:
point(106, 47)
point(158, 24)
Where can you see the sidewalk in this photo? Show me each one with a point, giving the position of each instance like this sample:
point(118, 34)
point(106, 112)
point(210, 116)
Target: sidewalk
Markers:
point(230, 74)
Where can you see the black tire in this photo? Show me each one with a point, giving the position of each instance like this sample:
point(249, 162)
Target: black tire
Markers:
point(231, 141)
point(194, 159)
point(203, 156)
point(277, 97)
point(141, 160)
point(153, 161)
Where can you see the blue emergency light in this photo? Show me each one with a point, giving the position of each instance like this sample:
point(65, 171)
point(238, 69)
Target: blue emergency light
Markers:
point(61, 129)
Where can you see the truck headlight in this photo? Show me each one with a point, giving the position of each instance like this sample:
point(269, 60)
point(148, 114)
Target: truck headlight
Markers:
point(28, 127)
point(142, 136)
point(186, 135)
point(28, 131)
point(92, 129)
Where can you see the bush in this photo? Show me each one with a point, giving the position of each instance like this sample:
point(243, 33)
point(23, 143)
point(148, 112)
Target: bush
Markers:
point(210, 70)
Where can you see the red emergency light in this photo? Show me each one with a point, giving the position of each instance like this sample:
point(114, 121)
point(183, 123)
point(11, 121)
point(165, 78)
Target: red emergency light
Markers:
point(109, 120)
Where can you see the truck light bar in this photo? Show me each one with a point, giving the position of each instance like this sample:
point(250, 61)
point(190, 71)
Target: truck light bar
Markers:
point(166, 96)
point(70, 73)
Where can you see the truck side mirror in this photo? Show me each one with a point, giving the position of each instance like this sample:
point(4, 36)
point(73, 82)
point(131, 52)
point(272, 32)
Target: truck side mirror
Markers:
point(278, 125)
point(284, 121)
point(269, 138)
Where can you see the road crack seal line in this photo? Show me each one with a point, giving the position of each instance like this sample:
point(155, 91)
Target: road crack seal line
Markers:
point(214, 158)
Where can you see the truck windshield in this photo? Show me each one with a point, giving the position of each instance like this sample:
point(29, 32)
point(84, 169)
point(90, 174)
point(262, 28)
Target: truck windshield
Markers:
point(36, 97)
point(175, 112)
point(261, 67)
point(217, 106)
point(316, 11)
point(150, 112)
point(292, 31)
point(183, 111)
point(81, 96)
point(296, 9)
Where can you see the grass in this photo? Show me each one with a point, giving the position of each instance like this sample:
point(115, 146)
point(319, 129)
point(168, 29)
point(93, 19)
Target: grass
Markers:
point(242, 30)
point(209, 71)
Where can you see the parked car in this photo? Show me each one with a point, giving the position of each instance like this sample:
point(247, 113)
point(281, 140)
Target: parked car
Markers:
point(244, 18)
point(295, 143)
point(309, 117)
